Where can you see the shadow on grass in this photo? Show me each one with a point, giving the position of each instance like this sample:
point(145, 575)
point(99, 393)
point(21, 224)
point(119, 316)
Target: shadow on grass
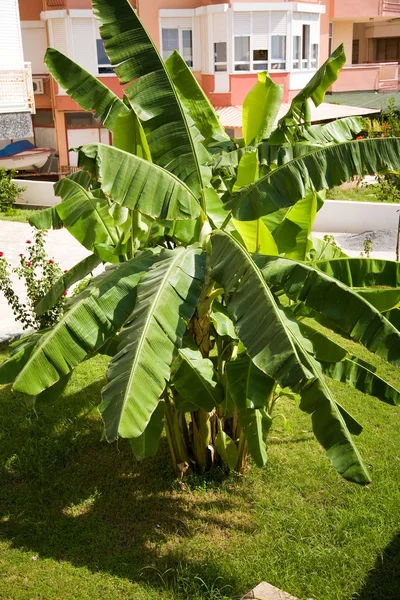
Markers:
point(65, 495)
point(383, 581)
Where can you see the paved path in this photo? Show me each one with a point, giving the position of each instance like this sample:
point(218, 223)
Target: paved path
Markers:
point(60, 245)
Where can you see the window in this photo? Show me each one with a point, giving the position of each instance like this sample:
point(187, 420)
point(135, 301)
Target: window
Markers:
point(103, 62)
point(75, 120)
point(220, 57)
point(305, 49)
point(314, 56)
point(330, 48)
point(180, 40)
point(278, 52)
point(242, 53)
point(260, 60)
point(296, 51)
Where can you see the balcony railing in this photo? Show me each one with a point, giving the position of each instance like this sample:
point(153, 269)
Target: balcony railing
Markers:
point(16, 90)
point(55, 3)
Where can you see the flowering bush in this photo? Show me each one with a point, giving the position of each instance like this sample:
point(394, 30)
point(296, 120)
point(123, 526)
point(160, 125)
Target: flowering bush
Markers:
point(9, 191)
point(39, 274)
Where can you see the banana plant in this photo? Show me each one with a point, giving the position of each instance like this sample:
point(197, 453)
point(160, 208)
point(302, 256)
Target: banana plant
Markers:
point(210, 270)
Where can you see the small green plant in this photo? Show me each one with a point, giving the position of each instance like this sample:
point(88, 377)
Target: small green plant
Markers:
point(9, 191)
point(39, 274)
point(368, 246)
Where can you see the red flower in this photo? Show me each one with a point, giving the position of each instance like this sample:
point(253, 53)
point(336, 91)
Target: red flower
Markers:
point(359, 137)
point(28, 264)
point(66, 271)
point(51, 262)
point(65, 293)
point(384, 135)
point(384, 126)
point(1, 254)
point(39, 281)
point(28, 242)
point(21, 255)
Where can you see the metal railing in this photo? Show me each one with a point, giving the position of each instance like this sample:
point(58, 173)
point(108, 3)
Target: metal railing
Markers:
point(16, 90)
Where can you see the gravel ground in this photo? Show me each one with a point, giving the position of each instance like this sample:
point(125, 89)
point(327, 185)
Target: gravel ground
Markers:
point(383, 243)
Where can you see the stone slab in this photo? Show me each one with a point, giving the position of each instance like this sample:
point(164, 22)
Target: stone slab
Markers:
point(266, 591)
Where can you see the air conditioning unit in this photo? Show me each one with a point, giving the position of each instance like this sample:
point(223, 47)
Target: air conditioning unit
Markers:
point(38, 87)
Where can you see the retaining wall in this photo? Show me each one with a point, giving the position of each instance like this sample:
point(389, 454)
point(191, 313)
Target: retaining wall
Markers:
point(339, 216)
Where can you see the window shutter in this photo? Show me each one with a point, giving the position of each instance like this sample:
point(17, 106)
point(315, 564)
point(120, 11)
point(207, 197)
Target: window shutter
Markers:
point(11, 54)
point(35, 44)
point(260, 30)
point(174, 22)
point(84, 43)
point(220, 27)
point(242, 23)
point(59, 35)
point(278, 23)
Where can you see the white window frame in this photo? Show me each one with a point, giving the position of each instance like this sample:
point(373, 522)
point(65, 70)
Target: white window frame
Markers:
point(97, 36)
point(269, 61)
point(180, 30)
point(309, 63)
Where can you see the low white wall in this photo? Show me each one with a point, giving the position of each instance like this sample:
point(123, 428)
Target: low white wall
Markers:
point(38, 193)
point(355, 217)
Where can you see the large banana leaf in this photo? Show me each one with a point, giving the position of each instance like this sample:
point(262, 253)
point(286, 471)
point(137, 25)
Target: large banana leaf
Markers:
point(293, 235)
point(46, 219)
point(78, 272)
point(299, 112)
point(90, 320)
point(335, 301)
point(175, 143)
point(362, 272)
point(21, 351)
point(260, 109)
point(194, 99)
point(324, 250)
point(87, 217)
point(167, 296)
point(130, 137)
point(147, 444)
point(261, 329)
point(139, 184)
point(320, 169)
point(354, 372)
point(194, 379)
point(335, 132)
point(329, 425)
point(250, 390)
point(85, 89)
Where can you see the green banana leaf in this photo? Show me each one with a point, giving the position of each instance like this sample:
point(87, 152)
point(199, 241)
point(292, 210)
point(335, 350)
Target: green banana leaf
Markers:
point(130, 137)
point(85, 89)
point(383, 299)
point(293, 235)
point(139, 184)
point(194, 379)
point(222, 322)
point(194, 99)
point(335, 132)
point(46, 219)
point(90, 320)
point(78, 272)
point(175, 143)
point(260, 109)
point(87, 218)
point(166, 296)
point(355, 373)
point(299, 111)
point(261, 330)
point(227, 449)
point(362, 272)
point(250, 390)
point(147, 444)
point(321, 169)
point(21, 351)
point(323, 250)
point(324, 349)
point(393, 316)
point(329, 424)
point(338, 303)
point(248, 171)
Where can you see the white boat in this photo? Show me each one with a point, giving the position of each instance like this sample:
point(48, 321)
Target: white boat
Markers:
point(29, 160)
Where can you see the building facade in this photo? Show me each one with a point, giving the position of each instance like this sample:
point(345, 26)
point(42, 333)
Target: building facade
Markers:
point(16, 91)
point(225, 44)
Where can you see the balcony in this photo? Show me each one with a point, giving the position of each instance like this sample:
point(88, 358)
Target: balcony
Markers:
point(390, 8)
point(16, 90)
point(56, 3)
point(364, 9)
point(382, 77)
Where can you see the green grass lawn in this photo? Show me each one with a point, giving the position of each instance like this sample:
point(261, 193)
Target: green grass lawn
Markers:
point(21, 215)
point(361, 194)
point(81, 519)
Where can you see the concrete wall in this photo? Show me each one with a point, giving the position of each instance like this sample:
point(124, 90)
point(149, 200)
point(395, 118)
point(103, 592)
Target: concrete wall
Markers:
point(37, 193)
point(338, 216)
